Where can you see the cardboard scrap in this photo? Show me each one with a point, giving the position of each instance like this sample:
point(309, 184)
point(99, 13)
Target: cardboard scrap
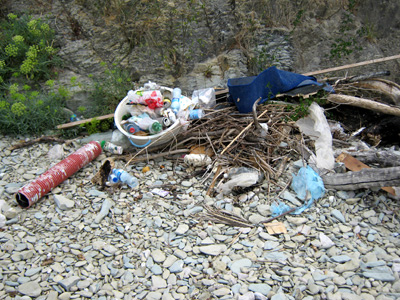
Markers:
point(275, 228)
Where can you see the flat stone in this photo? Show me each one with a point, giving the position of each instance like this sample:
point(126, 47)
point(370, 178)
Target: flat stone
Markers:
point(338, 215)
point(221, 292)
point(182, 229)
point(296, 220)
point(69, 282)
point(158, 282)
point(31, 288)
point(262, 288)
point(341, 258)
point(158, 256)
point(215, 249)
point(237, 265)
point(63, 203)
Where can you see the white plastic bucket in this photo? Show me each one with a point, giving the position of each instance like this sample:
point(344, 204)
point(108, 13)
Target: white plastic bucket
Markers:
point(160, 138)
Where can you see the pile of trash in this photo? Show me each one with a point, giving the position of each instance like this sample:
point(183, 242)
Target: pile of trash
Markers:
point(153, 109)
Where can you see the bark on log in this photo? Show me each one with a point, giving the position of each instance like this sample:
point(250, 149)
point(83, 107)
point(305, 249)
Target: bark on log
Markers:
point(366, 178)
point(364, 103)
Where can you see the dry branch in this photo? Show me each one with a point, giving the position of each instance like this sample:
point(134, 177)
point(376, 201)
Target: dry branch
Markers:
point(364, 103)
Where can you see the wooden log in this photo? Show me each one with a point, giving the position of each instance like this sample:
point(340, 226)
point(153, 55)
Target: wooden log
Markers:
point(355, 165)
point(364, 103)
point(366, 178)
point(384, 158)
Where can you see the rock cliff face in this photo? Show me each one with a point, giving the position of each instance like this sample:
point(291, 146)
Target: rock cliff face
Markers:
point(197, 44)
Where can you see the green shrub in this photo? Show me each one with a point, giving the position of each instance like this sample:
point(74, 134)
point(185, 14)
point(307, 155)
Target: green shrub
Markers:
point(26, 49)
point(30, 112)
point(108, 90)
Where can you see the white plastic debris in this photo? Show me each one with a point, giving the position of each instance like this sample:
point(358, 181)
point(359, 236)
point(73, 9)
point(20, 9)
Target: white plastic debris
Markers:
point(317, 128)
point(197, 160)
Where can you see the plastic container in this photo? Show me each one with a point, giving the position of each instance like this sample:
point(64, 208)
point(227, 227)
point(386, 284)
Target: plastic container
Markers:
point(152, 99)
point(146, 123)
point(160, 138)
point(126, 178)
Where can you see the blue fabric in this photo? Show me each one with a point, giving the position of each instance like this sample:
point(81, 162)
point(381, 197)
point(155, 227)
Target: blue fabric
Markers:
point(245, 91)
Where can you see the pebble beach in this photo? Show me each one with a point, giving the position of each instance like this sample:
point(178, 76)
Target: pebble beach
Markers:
point(153, 241)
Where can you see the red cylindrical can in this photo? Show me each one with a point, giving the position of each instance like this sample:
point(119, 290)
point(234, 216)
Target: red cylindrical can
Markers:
point(30, 193)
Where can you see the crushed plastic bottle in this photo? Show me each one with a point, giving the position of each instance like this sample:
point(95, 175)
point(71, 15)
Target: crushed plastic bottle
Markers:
point(152, 99)
point(112, 148)
point(126, 178)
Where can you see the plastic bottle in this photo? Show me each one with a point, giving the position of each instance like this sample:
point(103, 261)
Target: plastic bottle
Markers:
point(176, 95)
point(114, 149)
point(152, 99)
point(146, 123)
point(126, 178)
point(131, 128)
point(196, 114)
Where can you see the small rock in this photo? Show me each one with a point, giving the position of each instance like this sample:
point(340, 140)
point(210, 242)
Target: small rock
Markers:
point(215, 249)
point(237, 265)
point(182, 229)
point(262, 288)
point(69, 282)
point(30, 288)
point(338, 215)
point(63, 203)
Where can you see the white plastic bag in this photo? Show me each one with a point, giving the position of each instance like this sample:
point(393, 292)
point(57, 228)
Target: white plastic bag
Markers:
point(317, 128)
point(204, 98)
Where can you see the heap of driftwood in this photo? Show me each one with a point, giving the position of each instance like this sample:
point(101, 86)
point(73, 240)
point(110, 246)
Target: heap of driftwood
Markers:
point(232, 139)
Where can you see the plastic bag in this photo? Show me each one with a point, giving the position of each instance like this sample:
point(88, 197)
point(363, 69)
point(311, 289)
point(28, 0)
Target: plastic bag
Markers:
point(308, 185)
point(317, 128)
point(243, 177)
point(204, 98)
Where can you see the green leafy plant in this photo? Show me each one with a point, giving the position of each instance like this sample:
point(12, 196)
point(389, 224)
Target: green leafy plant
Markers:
point(26, 49)
point(29, 112)
point(108, 90)
point(96, 126)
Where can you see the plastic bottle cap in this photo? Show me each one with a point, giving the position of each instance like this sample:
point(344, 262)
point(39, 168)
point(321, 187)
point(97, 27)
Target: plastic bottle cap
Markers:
point(156, 126)
point(102, 143)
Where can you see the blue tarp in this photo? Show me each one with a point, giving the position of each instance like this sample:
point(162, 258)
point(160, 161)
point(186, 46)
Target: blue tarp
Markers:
point(245, 91)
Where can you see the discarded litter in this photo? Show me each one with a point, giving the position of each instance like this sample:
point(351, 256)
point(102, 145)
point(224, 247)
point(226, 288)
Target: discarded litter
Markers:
point(112, 148)
point(308, 186)
point(317, 128)
point(120, 175)
point(33, 191)
point(246, 90)
point(197, 160)
point(240, 177)
point(154, 114)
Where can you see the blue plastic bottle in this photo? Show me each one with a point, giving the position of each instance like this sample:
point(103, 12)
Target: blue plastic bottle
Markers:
point(132, 128)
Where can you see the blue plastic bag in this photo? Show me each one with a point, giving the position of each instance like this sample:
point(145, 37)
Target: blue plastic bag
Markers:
point(307, 180)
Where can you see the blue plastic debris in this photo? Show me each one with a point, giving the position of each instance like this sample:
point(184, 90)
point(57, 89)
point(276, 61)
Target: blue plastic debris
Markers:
point(306, 182)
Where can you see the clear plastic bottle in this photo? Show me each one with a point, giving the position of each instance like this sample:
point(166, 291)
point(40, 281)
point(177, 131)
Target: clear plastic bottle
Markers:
point(146, 123)
point(126, 178)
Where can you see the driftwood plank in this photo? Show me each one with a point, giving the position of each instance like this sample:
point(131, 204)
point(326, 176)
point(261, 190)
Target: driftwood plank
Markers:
point(355, 165)
point(76, 123)
point(366, 178)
